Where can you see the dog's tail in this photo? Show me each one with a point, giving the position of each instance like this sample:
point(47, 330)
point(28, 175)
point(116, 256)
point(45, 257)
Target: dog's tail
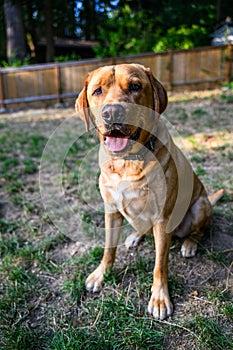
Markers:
point(216, 196)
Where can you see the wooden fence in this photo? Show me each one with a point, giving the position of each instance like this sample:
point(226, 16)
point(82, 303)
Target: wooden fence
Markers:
point(193, 69)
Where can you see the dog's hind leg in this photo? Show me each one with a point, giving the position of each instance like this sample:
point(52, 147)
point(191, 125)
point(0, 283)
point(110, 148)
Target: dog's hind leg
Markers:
point(133, 240)
point(200, 215)
point(189, 246)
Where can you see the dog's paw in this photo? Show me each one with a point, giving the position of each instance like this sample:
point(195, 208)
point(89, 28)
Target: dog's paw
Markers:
point(189, 248)
point(95, 280)
point(160, 305)
point(133, 240)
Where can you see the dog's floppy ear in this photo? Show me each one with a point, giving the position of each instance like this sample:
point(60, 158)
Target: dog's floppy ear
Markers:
point(81, 105)
point(160, 94)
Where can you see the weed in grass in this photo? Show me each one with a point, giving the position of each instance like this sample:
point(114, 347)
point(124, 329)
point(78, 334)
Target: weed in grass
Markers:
point(223, 300)
point(24, 338)
point(96, 254)
point(222, 212)
point(175, 286)
point(228, 309)
point(17, 200)
point(89, 140)
point(74, 177)
point(87, 261)
point(197, 159)
point(8, 245)
point(9, 164)
point(30, 207)
point(3, 157)
point(84, 142)
point(15, 186)
point(225, 98)
point(74, 150)
point(222, 147)
point(183, 116)
point(200, 171)
point(208, 122)
point(110, 278)
point(86, 217)
point(211, 335)
point(230, 156)
point(20, 276)
point(10, 173)
point(35, 145)
point(139, 266)
point(49, 243)
point(76, 286)
point(218, 257)
point(7, 226)
point(30, 167)
point(227, 197)
point(9, 242)
point(228, 85)
point(193, 141)
point(198, 113)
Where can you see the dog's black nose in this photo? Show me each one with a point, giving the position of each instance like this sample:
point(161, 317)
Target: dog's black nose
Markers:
point(113, 113)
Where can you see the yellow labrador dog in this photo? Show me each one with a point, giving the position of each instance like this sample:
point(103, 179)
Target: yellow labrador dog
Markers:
point(145, 178)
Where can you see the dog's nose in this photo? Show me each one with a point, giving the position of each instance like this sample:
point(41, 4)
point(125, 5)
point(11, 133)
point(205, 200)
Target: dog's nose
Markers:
point(113, 113)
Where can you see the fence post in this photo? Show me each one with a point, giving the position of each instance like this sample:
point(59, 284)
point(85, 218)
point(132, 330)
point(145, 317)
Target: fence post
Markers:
point(171, 65)
point(3, 106)
point(58, 82)
point(113, 60)
point(229, 59)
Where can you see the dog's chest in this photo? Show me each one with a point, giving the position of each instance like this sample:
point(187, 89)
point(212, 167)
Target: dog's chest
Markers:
point(133, 190)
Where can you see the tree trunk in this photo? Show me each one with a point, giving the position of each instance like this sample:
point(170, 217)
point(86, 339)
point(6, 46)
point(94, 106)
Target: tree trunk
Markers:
point(90, 19)
point(218, 10)
point(48, 11)
point(16, 43)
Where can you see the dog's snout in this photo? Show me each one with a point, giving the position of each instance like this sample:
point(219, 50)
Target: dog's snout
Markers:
point(113, 113)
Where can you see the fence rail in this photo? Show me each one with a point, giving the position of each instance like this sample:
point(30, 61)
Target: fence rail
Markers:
point(197, 68)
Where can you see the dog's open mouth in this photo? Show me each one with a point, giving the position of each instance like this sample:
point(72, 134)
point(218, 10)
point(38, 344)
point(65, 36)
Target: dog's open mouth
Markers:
point(117, 141)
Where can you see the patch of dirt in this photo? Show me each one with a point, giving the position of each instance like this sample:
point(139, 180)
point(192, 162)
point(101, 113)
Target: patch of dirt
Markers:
point(68, 250)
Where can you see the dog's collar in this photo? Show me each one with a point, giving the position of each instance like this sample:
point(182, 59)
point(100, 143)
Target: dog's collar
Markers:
point(149, 146)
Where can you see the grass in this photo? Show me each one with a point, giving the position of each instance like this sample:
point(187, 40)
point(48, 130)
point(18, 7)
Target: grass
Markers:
point(210, 335)
point(43, 301)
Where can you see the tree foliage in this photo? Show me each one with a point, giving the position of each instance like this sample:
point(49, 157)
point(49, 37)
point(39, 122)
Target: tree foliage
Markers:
point(125, 32)
point(159, 25)
point(121, 26)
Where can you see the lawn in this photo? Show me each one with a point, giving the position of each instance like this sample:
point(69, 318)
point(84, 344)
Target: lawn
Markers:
point(51, 227)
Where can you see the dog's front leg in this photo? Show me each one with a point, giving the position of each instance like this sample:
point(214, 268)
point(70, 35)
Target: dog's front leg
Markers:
point(113, 225)
point(160, 305)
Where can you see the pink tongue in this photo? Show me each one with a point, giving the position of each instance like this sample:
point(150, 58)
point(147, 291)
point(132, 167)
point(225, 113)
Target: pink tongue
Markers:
point(116, 144)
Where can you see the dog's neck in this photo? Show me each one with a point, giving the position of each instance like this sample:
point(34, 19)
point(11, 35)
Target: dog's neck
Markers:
point(149, 146)
point(105, 157)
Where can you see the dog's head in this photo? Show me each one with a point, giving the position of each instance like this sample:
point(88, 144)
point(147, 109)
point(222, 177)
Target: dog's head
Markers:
point(124, 102)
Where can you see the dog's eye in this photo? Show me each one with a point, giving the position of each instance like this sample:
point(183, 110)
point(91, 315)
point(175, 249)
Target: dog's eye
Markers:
point(98, 91)
point(133, 87)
